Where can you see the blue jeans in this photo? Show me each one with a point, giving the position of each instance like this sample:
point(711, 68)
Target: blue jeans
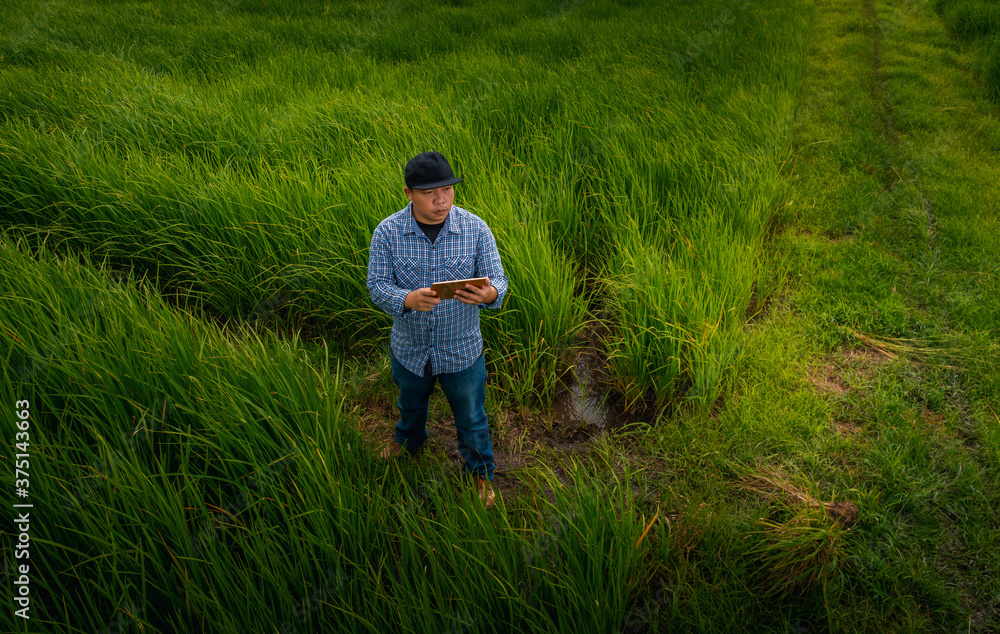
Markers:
point(466, 393)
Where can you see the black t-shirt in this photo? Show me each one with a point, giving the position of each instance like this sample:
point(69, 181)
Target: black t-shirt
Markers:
point(431, 231)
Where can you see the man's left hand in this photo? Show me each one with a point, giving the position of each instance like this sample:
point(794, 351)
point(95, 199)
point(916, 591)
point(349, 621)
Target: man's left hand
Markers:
point(475, 295)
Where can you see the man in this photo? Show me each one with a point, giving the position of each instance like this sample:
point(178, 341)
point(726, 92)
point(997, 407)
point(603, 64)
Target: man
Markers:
point(431, 240)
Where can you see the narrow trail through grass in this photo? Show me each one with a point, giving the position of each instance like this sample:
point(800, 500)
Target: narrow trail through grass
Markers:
point(874, 378)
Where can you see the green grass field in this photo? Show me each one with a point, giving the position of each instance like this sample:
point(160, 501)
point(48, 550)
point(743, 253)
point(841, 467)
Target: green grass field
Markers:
point(768, 227)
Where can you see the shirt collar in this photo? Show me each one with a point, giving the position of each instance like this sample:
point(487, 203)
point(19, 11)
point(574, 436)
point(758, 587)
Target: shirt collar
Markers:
point(449, 226)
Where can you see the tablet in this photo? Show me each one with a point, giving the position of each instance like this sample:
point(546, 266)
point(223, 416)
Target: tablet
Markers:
point(446, 290)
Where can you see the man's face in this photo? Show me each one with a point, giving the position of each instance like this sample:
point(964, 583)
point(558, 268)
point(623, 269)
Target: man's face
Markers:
point(431, 206)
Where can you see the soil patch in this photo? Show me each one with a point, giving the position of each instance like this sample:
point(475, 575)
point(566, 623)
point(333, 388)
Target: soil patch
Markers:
point(848, 428)
point(827, 379)
point(837, 375)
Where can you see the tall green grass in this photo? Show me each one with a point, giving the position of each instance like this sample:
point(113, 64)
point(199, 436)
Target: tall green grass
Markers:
point(970, 19)
point(195, 468)
point(243, 157)
point(188, 482)
point(977, 20)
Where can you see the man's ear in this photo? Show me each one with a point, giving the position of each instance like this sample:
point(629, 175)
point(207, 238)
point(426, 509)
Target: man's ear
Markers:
point(409, 194)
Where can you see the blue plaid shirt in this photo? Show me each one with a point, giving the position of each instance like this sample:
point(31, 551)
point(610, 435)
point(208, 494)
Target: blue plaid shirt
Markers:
point(402, 259)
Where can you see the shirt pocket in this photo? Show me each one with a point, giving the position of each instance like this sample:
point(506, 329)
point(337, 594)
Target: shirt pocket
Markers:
point(407, 272)
point(460, 267)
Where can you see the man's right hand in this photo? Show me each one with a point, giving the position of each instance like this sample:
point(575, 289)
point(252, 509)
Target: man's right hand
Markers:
point(422, 299)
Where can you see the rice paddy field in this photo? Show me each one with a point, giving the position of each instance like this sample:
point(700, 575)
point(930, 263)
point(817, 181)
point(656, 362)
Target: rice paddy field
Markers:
point(745, 378)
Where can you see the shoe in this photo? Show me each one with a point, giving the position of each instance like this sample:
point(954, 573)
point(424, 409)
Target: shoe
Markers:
point(485, 489)
point(391, 449)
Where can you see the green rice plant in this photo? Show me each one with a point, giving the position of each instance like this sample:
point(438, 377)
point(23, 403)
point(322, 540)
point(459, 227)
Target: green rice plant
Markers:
point(586, 535)
point(243, 166)
point(137, 407)
point(802, 554)
point(684, 307)
point(193, 475)
point(198, 470)
point(991, 77)
point(971, 19)
point(649, 348)
point(178, 222)
point(687, 222)
point(536, 332)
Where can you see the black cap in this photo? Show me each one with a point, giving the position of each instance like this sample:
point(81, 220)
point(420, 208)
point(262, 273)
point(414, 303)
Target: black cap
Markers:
point(428, 170)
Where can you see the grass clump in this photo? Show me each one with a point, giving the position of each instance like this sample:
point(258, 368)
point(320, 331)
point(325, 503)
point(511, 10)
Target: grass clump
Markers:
point(991, 76)
point(977, 22)
point(801, 554)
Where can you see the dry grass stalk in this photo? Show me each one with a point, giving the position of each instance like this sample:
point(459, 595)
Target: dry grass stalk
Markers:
point(769, 483)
